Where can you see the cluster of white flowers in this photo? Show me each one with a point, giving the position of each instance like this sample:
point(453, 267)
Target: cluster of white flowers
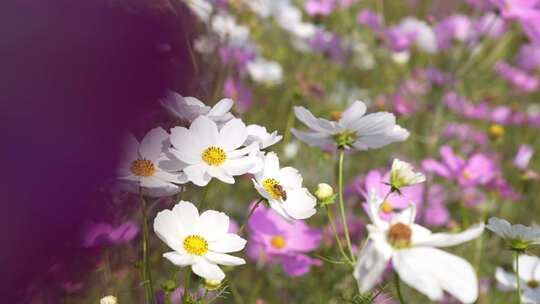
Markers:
point(208, 143)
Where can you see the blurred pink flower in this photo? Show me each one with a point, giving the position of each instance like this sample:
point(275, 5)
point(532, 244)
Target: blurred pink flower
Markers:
point(518, 78)
point(103, 234)
point(434, 211)
point(477, 170)
point(528, 57)
point(274, 239)
point(320, 7)
point(523, 157)
point(234, 89)
point(376, 181)
point(370, 19)
point(465, 133)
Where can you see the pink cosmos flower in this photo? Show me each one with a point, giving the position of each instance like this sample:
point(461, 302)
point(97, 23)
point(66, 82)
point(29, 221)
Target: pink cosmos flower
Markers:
point(523, 157)
point(434, 211)
point(477, 170)
point(236, 90)
point(376, 181)
point(275, 240)
point(320, 7)
point(99, 234)
point(520, 79)
point(528, 57)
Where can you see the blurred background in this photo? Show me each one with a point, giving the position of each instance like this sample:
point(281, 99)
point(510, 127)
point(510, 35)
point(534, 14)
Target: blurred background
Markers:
point(461, 76)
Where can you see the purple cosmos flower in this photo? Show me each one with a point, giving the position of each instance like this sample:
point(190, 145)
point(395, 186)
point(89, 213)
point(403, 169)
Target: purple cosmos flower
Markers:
point(234, 89)
point(528, 57)
point(434, 211)
point(99, 234)
point(376, 181)
point(320, 7)
point(518, 9)
point(477, 170)
point(371, 19)
point(454, 27)
point(460, 104)
point(275, 240)
point(490, 25)
point(523, 157)
point(465, 133)
point(517, 77)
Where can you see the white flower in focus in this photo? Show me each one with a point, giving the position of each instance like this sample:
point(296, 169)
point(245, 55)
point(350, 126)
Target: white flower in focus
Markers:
point(353, 129)
point(283, 190)
point(259, 134)
point(529, 276)
point(411, 249)
point(265, 71)
point(210, 152)
point(228, 30)
point(108, 300)
point(200, 241)
point(518, 236)
point(188, 108)
point(402, 175)
point(149, 165)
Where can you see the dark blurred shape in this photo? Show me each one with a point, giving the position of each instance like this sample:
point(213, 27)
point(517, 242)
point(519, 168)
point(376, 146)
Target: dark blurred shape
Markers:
point(74, 76)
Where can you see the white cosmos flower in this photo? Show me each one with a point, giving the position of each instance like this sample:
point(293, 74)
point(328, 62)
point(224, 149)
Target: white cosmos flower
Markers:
point(149, 165)
point(353, 129)
point(228, 30)
point(210, 152)
point(189, 108)
point(411, 249)
point(259, 134)
point(200, 241)
point(529, 276)
point(518, 236)
point(402, 175)
point(283, 190)
point(265, 71)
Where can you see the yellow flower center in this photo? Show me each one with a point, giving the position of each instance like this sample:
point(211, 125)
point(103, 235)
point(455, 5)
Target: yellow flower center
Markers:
point(272, 186)
point(467, 174)
point(496, 131)
point(214, 156)
point(195, 244)
point(386, 207)
point(143, 167)
point(400, 235)
point(336, 115)
point(532, 283)
point(278, 242)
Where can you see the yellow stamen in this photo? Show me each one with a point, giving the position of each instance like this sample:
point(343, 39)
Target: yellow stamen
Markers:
point(272, 186)
point(143, 167)
point(214, 156)
point(278, 242)
point(496, 131)
point(386, 207)
point(195, 244)
point(467, 174)
point(336, 115)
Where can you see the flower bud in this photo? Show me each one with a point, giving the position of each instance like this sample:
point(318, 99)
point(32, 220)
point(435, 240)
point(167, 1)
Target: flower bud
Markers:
point(212, 284)
point(324, 191)
point(108, 300)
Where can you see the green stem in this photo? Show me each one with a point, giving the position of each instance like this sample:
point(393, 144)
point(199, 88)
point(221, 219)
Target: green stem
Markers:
point(518, 278)
point(338, 239)
point(398, 288)
point(187, 279)
point(241, 230)
point(236, 294)
point(147, 277)
point(342, 204)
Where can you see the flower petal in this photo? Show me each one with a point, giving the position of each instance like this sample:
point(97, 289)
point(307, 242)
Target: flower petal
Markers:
point(300, 204)
point(179, 259)
point(527, 267)
point(187, 147)
point(224, 259)
point(352, 114)
point(153, 143)
point(213, 225)
point(221, 107)
point(316, 124)
point(232, 135)
point(506, 281)
point(369, 267)
point(448, 239)
point(197, 174)
point(207, 270)
point(228, 243)
point(313, 138)
point(204, 130)
point(188, 217)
